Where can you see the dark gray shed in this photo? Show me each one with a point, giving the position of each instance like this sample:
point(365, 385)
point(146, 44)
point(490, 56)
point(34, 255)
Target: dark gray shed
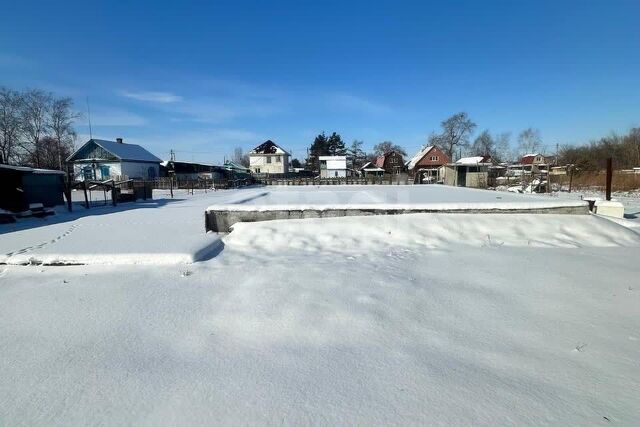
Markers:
point(22, 186)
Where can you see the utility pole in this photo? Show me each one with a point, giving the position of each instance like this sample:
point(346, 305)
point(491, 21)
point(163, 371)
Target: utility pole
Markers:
point(89, 112)
point(172, 155)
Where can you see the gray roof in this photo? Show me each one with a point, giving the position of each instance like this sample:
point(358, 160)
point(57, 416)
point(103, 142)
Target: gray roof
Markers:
point(128, 152)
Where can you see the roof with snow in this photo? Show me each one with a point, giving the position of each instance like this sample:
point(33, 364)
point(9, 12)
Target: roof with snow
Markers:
point(332, 158)
point(528, 159)
point(229, 165)
point(126, 152)
point(419, 155)
point(369, 166)
point(268, 147)
point(476, 160)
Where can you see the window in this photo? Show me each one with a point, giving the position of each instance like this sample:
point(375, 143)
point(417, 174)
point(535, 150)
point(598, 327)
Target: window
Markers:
point(104, 172)
point(434, 158)
point(257, 170)
point(268, 159)
point(278, 159)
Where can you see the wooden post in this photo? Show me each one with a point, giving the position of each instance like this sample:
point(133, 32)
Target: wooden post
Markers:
point(570, 177)
point(548, 178)
point(171, 185)
point(114, 196)
point(86, 199)
point(67, 192)
point(609, 177)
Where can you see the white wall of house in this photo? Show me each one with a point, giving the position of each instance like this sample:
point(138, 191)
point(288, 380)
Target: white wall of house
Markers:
point(117, 170)
point(333, 173)
point(269, 163)
point(104, 171)
point(333, 166)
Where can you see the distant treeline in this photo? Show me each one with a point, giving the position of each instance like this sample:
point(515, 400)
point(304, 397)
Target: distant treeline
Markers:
point(623, 149)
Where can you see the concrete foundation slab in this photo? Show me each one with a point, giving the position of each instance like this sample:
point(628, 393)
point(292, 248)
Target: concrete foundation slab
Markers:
point(222, 218)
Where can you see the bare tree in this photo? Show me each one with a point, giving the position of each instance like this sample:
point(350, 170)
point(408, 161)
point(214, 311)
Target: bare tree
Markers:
point(503, 147)
point(387, 146)
point(356, 153)
point(35, 114)
point(10, 124)
point(484, 145)
point(529, 141)
point(239, 157)
point(61, 126)
point(456, 131)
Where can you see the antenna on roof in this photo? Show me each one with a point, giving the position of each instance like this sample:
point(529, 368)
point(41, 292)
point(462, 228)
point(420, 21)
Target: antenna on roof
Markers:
point(89, 112)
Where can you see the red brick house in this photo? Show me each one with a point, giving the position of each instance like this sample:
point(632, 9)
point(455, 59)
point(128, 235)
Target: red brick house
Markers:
point(392, 162)
point(427, 165)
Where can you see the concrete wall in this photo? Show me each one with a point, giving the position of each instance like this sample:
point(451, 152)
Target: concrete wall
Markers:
point(222, 220)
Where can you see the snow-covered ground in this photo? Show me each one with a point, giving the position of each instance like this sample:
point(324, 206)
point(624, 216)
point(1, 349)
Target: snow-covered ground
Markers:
point(630, 200)
point(416, 319)
point(166, 230)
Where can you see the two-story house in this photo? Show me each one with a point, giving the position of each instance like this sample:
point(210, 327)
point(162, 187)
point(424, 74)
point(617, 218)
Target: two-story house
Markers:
point(427, 166)
point(270, 158)
point(392, 162)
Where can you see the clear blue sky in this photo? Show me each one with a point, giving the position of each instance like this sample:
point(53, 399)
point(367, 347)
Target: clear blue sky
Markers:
point(205, 77)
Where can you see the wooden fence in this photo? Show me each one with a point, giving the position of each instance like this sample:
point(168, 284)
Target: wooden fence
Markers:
point(372, 180)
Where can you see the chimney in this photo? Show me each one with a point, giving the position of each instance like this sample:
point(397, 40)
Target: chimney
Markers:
point(119, 140)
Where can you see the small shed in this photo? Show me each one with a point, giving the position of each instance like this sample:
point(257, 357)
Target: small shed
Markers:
point(22, 187)
point(370, 169)
point(468, 172)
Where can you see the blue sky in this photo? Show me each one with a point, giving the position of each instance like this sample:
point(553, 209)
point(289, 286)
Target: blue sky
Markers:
point(204, 77)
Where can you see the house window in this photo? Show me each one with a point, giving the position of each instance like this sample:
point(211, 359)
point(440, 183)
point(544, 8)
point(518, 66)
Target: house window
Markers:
point(257, 170)
point(278, 159)
point(434, 158)
point(268, 159)
point(104, 172)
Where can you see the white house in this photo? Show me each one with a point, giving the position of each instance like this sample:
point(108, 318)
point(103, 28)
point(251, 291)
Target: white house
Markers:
point(99, 159)
point(333, 166)
point(269, 157)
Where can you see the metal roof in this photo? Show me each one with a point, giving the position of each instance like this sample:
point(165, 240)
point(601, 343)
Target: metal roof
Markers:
point(123, 151)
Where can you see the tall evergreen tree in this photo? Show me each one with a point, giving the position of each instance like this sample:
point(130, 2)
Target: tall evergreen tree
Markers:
point(335, 145)
point(320, 147)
